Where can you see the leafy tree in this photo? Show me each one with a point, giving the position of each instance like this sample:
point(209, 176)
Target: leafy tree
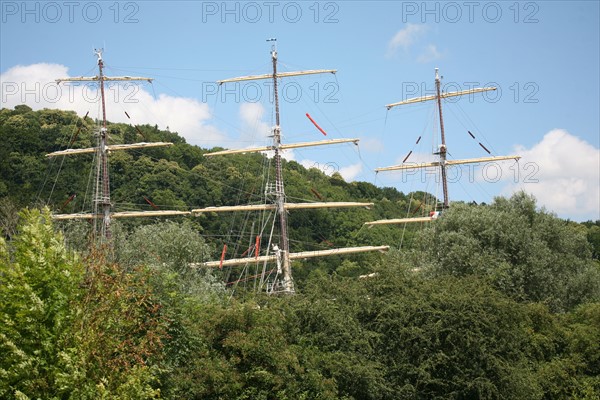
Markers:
point(167, 245)
point(564, 351)
point(593, 235)
point(39, 280)
point(118, 335)
point(70, 333)
point(171, 243)
point(326, 320)
point(167, 250)
point(8, 217)
point(448, 338)
point(530, 255)
point(246, 354)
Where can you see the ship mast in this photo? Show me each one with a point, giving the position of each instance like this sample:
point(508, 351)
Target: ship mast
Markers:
point(442, 150)
point(443, 163)
point(282, 255)
point(103, 198)
point(102, 190)
point(287, 283)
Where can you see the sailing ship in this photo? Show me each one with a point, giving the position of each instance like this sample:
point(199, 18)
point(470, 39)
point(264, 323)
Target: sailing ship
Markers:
point(442, 152)
point(279, 250)
point(102, 208)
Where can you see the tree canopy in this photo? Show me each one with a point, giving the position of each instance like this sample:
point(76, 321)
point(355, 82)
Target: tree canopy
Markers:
point(488, 302)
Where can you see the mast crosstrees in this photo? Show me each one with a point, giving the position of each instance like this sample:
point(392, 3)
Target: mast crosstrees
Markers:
point(102, 206)
point(442, 152)
point(284, 283)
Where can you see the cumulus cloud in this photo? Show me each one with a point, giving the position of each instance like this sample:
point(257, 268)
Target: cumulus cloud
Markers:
point(409, 39)
point(563, 172)
point(350, 172)
point(35, 86)
point(429, 54)
point(288, 155)
point(371, 145)
point(255, 132)
point(328, 168)
point(405, 38)
point(253, 127)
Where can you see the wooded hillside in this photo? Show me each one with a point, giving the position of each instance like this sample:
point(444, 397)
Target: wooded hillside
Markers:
point(489, 302)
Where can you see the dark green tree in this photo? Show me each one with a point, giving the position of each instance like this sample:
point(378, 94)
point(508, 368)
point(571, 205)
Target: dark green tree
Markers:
point(448, 338)
point(524, 252)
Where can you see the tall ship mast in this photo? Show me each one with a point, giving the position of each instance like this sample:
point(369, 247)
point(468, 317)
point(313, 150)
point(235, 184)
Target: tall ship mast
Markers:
point(442, 152)
point(283, 282)
point(102, 206)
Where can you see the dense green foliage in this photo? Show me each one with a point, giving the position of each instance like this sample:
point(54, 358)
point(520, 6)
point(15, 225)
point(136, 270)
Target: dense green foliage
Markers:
point(180, 177)
point(527, 254)
point(80, 329)
point(38, 282)
point(66, 332)
point(490, 302)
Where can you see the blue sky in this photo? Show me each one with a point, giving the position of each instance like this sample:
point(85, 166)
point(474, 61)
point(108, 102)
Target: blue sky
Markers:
point(543, 56)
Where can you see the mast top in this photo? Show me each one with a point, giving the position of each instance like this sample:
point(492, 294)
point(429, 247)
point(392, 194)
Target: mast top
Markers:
point(98, 53)
point(437, 75)
point(273, 47)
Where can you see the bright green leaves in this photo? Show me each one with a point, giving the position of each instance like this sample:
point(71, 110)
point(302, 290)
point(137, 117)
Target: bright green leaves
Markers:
point(38, 281)
point(528, 254)
point(70, 333)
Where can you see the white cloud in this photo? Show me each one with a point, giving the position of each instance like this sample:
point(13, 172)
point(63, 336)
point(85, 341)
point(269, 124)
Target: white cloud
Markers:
point(255, 132)
point(288, 155)
point(348, 172)
point(351, 171)
point(253, 127)
point(431, 53)
point(405, 38)
point(35, 86)
point(563, 172)
point(371, 144)
point(327, 168)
